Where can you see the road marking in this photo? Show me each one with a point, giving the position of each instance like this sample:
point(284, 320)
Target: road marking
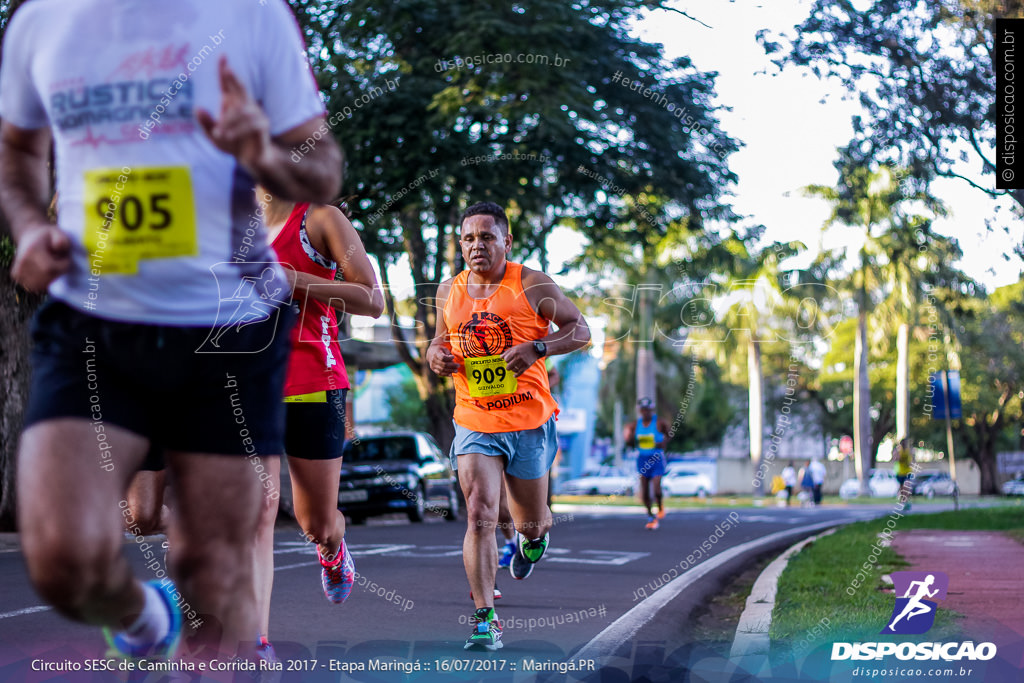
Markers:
point(314, 563)
point(27, 610)
point(623, 629)
point(606, 557)
point(378, 548)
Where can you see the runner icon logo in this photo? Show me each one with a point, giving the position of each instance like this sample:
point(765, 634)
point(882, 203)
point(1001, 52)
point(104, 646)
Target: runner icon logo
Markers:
point(916, 596)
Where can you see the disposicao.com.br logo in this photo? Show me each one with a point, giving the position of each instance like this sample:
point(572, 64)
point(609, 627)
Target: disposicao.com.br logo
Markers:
point(916, 594)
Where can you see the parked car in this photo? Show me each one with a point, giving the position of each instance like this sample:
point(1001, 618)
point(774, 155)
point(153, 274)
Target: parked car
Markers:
point(603, 481)
point(881, 484)
point(1015, 486)
point(396, 472)
point(679, 481)
point(931, 483)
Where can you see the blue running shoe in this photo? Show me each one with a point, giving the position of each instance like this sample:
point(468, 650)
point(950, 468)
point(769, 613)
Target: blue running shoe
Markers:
point(122, 649)
point(507, 551)
point(337, 578)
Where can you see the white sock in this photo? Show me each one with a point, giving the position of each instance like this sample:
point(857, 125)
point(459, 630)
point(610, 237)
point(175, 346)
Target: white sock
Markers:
point(153, 623)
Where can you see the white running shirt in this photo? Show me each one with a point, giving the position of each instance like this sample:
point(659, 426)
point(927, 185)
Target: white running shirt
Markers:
point(164, 226)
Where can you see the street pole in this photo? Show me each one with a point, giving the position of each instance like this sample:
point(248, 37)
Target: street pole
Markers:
point(617, 440)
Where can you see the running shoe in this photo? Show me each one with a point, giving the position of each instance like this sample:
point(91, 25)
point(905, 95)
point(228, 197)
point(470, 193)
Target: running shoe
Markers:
point(121, 648)
point(527, 554)
point(497, 593)
point(486, 631)
point(652, 522)
point(265, 651)
point(661, 513)
point(507, 551)
point(338, 577)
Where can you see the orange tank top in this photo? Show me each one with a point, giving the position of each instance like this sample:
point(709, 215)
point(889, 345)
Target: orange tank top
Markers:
point(488, 397)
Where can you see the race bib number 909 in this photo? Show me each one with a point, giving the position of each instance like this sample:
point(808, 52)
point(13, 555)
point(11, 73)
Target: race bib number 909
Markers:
point(489, 376)
point(138, 214)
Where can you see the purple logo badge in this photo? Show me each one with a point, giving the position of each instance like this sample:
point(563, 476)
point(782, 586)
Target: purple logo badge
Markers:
point(916, 596)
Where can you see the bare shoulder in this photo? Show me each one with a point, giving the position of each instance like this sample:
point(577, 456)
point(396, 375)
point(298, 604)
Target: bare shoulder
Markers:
point(533, 278)
point(445, 288)
point(327, 216)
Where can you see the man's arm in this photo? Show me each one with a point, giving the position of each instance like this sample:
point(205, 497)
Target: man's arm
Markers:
point(439, 353)
point(43, 252)
point(663, 430)
point(243, 131)
point(628, 432)
point(548, 300)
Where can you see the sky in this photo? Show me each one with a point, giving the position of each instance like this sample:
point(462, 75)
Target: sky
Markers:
point(791, 124)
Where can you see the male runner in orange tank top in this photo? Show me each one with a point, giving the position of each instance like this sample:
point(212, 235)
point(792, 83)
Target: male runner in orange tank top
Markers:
point(493, 331)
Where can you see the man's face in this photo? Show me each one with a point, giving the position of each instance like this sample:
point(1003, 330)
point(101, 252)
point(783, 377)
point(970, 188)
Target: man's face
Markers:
point(484, 245)
point(646, 413)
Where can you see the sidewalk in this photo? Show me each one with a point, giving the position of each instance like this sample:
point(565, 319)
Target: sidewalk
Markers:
point(986, 578)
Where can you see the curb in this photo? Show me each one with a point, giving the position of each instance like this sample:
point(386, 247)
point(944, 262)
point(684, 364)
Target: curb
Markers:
point(751, 645)
point(604, 644)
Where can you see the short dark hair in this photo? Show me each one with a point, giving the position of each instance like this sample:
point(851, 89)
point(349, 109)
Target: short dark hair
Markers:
point(487, 209)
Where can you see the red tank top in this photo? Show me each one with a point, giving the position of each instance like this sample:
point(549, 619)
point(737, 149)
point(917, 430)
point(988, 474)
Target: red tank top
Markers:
point(315, 363)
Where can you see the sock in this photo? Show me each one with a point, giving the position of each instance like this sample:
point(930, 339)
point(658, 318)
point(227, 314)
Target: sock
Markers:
point(153, 623)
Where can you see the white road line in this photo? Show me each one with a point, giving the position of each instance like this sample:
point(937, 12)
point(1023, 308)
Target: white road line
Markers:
point(605, 557)
point(626, 627)
point(27, 610)
point(314, 563)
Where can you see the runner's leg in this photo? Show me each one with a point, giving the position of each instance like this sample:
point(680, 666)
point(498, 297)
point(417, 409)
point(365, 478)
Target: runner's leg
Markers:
point(527, 500)
point(504, 516)
point(263, 552)
point(480, 477)
point(146, 501)
point(218, 501)
point(315, 497)
point(71, 524)
point(645, 494)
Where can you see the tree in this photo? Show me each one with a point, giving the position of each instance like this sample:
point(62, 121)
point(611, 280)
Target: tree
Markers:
point(406, 407)
point(924, 75)
point(910, 260)
point(757, 282)
point(16, 309)
point(867, 200)
point(991, 375)
point(554, 135)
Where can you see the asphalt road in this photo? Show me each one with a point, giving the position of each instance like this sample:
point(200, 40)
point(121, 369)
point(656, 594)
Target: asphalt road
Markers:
point(411, 602)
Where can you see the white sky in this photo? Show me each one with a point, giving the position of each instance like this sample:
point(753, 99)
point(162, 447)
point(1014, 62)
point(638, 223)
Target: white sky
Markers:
point(792, 125)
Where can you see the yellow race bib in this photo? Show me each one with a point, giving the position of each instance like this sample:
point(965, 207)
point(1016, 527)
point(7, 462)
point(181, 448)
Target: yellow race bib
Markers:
point(314, 397)
point(645, 442)
point(145, 213)
point(489, 376)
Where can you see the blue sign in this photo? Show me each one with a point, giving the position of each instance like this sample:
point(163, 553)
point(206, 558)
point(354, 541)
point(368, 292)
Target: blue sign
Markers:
point(938, 382)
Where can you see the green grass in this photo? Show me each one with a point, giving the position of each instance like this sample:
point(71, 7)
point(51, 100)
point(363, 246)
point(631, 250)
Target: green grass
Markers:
point(729, 501)
point(813, 595)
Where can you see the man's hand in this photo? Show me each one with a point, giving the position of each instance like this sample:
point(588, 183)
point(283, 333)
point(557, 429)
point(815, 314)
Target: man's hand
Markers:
point(43, 255)
point(243, 130)
point(520, 357)
point(442, 362)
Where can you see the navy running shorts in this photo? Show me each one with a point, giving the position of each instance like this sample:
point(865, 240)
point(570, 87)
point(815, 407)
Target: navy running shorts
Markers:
point(316, 431)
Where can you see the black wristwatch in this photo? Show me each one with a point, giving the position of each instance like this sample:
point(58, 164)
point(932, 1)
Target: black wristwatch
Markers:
point(541, 348)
